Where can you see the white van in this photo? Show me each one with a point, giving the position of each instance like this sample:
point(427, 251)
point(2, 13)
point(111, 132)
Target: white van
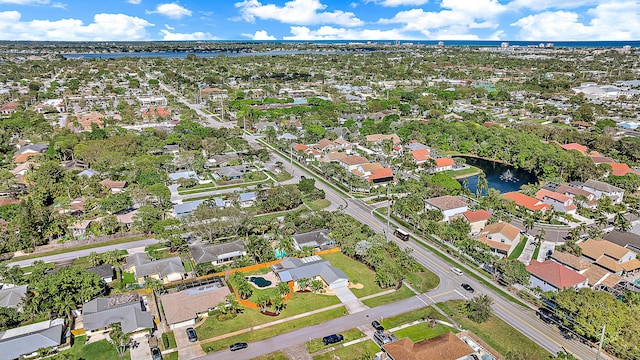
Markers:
point(456, 271)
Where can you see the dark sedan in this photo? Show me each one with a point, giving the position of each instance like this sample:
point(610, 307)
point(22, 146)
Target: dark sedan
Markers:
point(468, 287)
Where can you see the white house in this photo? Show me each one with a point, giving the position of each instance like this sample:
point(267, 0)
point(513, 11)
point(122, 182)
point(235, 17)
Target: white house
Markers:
point(551, 276)
point(450, 206)
point(600, 189)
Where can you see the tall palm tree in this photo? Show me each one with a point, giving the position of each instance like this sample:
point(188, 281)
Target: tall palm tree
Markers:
point(540, 235)
point(529, 222)
point(482, 184)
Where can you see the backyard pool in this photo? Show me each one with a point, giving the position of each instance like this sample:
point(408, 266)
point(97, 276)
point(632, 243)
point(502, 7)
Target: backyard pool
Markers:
point(260, 281)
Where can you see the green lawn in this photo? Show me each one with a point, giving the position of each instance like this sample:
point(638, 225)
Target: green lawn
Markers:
point(422, 281)
point(283, 176)
point(187, 266)
point(319, 204)
point(422, 331)
point(497, 333)
point(317, 345)
point(278, 355)
point(272, 331)
point(128, 278)
point(357, 272)
point(99, 350)
point(402, 293)
point(172, 340)
point(170, 356)
point(463, 172)
point(362, 350)
point(408, 317)
point(536, 252)
point(298, 304)
point(518, 250)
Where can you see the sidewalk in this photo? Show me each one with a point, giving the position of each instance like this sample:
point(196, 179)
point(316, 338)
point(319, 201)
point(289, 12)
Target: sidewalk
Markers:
point(528, 250)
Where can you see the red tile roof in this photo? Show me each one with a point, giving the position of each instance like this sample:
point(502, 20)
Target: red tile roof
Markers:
point(381, 174)
point(542, 193)
point(478, 215)
point(574, 146)
point(555, 274)
point(443, 347)
point(421, 154)
point(526, 201)
point(442, 162)
point(301, 147)
point(354, 160)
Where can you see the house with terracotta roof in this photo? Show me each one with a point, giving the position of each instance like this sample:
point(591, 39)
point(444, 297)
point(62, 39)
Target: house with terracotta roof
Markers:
point(615, 258)
point(351, 162)
point(334, 156)
point(380, 138)
point(527, 202)
point(8, 108)
point(574, 146)
point(552, 276)
point(443, 164)
point(381, 176)
point(501, 237)
point(325, 145)
point(477, 219)
point(597, 276)
point(560, 202)
point(85, 121)
point(420, 156)
point(114, 186)
point(601, 189)
point(450, 206)
point(443, 347)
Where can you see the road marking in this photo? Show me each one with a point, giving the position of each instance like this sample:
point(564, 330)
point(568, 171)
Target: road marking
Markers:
point(441, 294)
point(461, 294)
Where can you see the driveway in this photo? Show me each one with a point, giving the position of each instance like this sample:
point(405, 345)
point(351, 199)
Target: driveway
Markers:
point(141, 351)
point(350, 301)
point(187, 350)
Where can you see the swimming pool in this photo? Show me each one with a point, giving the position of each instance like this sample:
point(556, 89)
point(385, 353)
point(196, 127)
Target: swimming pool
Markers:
point(260, 281)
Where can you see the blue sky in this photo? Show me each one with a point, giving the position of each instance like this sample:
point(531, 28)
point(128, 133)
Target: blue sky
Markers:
point(536, 20)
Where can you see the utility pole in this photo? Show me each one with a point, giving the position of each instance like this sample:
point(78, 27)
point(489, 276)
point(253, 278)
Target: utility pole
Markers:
point(600, 343)
point(388, 212)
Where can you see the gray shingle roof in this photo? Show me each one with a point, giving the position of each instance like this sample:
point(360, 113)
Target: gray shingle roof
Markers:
point(295, 269)
point(27, 339)
point(314, 238)
point(11, 297)
point(205, 253)
point(250, 196)
point(601, 186)
point(186, 208)
point(101, 313)
point(144, 266)
point(104, 270)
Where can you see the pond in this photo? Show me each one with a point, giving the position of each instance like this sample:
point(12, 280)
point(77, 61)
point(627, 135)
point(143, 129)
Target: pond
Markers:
point(260, 281)
point(502, 177)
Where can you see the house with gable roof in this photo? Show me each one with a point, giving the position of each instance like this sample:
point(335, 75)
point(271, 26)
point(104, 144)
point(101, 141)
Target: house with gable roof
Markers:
point(166, 270)
point(443, 347)
point(615, 258)
point(450, 206)
point(600, 189)
point(501, 237)
point(312, 267)
point(100, 313)
point(26, 340)
point(560, 202)
point(217, 254)
point(316, 239)
point(552, 276)
point(477, 219)
point(527, 202)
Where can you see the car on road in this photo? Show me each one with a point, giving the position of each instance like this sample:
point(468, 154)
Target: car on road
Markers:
point(238, 346)
point(376, 325)
point(332, 339)
point(191, 334)
point(456, 271)
point(468, 287)
point(156, 354)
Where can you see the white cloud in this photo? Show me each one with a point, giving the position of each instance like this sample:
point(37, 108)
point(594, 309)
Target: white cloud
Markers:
point(104, 27)
point(59, 5)
point(198, 35)
point(539, 5)
point(134, 2)
point(24, 2)
point(610, 21)
point(299, 12)
point(454, 22)
point(169, 27)
point(332, 33)
point(172, 10)
point(260, 35)
point(394, 3)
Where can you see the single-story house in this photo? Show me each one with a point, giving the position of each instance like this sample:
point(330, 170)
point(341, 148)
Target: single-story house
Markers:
point(166, 270)
point(183, 175)
point(26, 340)
point(217, 254)
point(104, 271)
point(11, 296)
point(450, 206)
point(88, 173)
point(184, 209)
point(314, 239)
point(551, 276)
point(183, 307)
point(247, 199)
point(114, 186)
point(443, 347)
point(231, 172)
point(221, 160)
point(501, 237)
point(312, 267)
point(98, 315)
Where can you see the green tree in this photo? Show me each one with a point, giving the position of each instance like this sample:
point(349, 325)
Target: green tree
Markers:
point(119, 339)
point(283, 288)
point(263, 301)
point(153, 284)
point(479, 308)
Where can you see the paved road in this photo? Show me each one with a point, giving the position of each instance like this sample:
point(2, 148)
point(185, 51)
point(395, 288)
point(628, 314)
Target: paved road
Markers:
point(197, 108)
point(80, 253)
point(522, 319)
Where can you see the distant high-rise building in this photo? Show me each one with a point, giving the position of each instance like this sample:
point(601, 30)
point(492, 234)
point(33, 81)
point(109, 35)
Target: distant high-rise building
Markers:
point(440, 43)
point(504, 44)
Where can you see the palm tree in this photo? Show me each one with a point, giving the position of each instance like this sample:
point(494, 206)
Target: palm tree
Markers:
point(601, 221)
point(479, 308)
point(283, 288)
point(304, 283)
point(263, 302)
point(232, 303)
point(595, 232)
point(278, 304)
point(621, 222)
point(317, 285)
point(482, 184)
point(540, 236)
point(529, 222)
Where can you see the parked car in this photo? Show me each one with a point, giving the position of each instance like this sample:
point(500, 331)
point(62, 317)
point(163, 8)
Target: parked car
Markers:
point(468, 287)
point(191, 334)
point(238, 346)
point(376, 325)
point(332, 339)
point(156, 354)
